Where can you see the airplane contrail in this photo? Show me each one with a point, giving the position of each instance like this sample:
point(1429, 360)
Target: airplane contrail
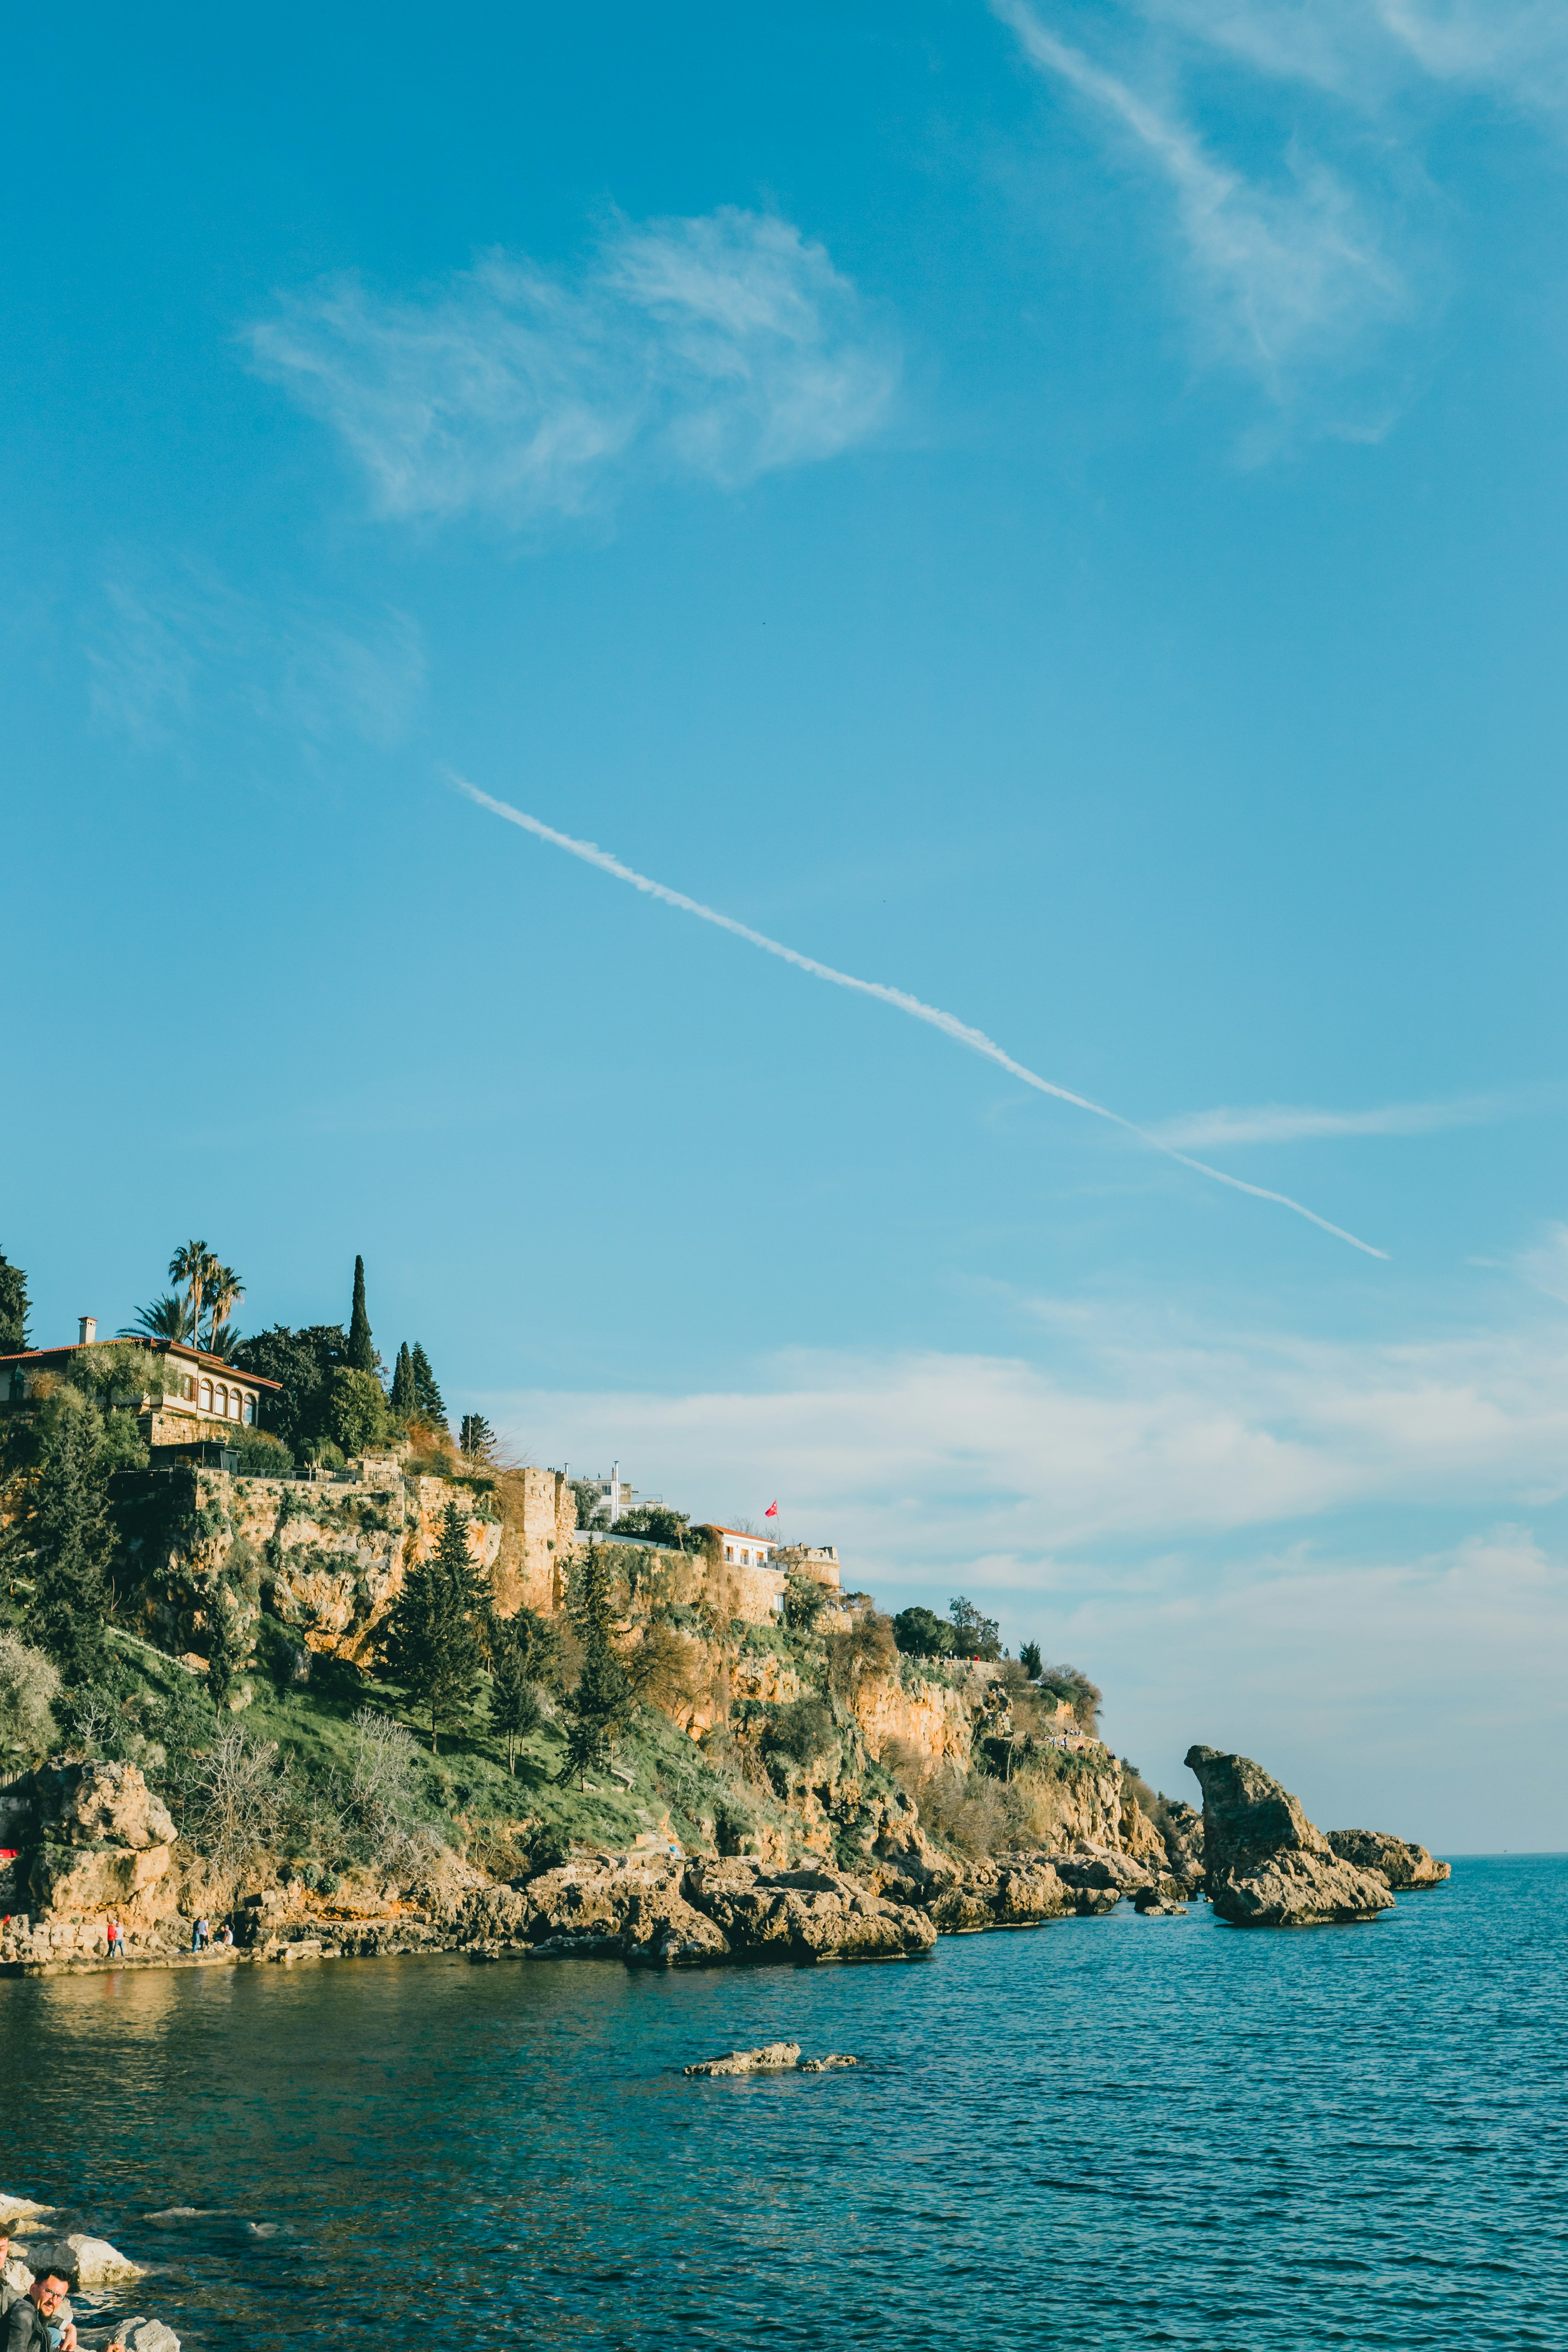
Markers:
point(948, 1023)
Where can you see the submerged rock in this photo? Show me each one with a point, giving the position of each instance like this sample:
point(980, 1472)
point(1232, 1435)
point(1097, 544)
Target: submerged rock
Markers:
point(825, 2065)
point(772, 2058)
point(1401, 1863)
point(1264, 1864)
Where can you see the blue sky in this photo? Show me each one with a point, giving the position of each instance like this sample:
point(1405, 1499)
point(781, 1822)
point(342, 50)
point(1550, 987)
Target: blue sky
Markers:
point(1055, 509)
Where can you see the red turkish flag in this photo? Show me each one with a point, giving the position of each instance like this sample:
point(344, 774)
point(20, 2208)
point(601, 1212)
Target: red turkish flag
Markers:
point(772, 1512)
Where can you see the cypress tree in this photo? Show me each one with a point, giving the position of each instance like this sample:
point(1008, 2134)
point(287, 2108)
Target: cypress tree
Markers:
point(72, 1540)
point(361, 1353)
point(435, 1626)
point(404, 1403)
point(429, 1403)
point(515, 1710)
point(602, 1699)
point(13, 1307)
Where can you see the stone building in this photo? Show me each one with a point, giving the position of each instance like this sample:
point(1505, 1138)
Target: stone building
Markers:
point(204, 1401)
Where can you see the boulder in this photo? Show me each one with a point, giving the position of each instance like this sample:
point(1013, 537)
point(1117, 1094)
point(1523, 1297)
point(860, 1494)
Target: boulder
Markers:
point(86, 2261)
point(826, 2065)
point(1402, 1863)
point(1017, 1891)
point(1264, 1864)
point(148, 2335)
point(98, 1805)
point(1101, 1870)
point(772, 2058)
point(816, 1913)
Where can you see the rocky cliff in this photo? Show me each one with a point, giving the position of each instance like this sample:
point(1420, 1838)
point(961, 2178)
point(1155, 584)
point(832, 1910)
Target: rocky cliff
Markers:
point(1264, 1864)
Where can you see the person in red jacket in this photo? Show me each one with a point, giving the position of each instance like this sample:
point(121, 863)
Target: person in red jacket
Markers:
point(116, 1943)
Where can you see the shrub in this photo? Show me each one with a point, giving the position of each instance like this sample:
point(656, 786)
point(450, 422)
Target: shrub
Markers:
point(356, 1410)
point(29, 1684)
point(803, 1729)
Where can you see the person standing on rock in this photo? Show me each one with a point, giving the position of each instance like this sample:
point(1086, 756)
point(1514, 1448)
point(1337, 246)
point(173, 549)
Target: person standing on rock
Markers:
point(116, 1941)
point(201, 1935)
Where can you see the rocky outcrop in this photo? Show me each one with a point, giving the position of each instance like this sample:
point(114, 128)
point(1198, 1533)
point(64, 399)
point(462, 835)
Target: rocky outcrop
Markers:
point(1403, 1864)
point(816, 1913)
point(93, 1838)
point(1264, 1864)
point(770, 2059)
point(1182, 1829)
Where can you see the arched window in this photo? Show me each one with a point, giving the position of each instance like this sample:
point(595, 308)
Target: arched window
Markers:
point(249, 1410)
point(233, 1404)
point(206, 1402)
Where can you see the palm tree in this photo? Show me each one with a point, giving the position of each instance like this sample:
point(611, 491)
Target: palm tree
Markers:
point(227, 1288)
point(168, 1317)
point(193, 1263)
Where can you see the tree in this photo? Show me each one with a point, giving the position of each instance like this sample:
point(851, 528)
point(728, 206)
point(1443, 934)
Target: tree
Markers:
point(922, 1634)
point(515, 1710)
point(237, 1802)
point(803, 1603)
point(428, 1405)
point(403, 1402)
point(356, 1412)
point(13, 1307)
point(435, 1626)
point(193, 1263)
point(71, 1540)
point(302, 1363)
point(168, 1317)
point(975, 1636)
point(476, 1438)
point(28, 1687)
point(227, 1290)
point(361, 1355)
point(1069, 1683)
point(1030, 1660)
point(226, 1645)
point(603, 1697)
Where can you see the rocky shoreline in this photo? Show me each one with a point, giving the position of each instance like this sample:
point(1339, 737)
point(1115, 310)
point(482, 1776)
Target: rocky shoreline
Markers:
point(101, 2277)
point(1252, 1855)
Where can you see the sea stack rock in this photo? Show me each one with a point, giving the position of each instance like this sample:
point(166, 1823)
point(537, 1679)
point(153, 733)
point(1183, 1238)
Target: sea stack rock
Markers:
point(1402, 1863)
point(1265, 1865)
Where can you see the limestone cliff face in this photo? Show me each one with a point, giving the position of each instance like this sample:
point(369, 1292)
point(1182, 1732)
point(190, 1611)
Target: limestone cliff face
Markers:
point(326, 1559)
point(93, 1839)
point(931, 1717)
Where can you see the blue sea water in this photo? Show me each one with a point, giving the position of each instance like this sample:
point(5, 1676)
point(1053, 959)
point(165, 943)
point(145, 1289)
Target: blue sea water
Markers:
point(1101, 2132)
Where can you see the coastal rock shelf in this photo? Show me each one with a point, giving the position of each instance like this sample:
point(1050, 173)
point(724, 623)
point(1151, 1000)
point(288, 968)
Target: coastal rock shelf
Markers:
point(1403, 1864)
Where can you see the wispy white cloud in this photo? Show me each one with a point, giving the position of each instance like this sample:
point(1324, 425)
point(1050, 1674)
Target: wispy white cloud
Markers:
point(1370, 51)
point(722, 347)
point(1288, 275)
point(169, 647)
point(1213, 1131)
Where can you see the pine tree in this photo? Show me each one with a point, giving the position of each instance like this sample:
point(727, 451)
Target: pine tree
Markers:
point(602, 1699)
point(13, 1307)
point(515, 1710)
point(361, 1355)
point(429, 1403)
point(72, 1540)
point(403, 1398)
point(437, 1625)
point(476, 1438)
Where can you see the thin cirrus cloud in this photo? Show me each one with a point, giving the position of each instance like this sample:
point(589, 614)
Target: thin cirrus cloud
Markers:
point(1368, 54)
point(716, 349)
point(175, 647)
point(1299, 1123)
point(1286, 277)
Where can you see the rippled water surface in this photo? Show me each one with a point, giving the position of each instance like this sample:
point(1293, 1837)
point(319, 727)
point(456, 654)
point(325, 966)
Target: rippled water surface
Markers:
point(1105, 2133)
